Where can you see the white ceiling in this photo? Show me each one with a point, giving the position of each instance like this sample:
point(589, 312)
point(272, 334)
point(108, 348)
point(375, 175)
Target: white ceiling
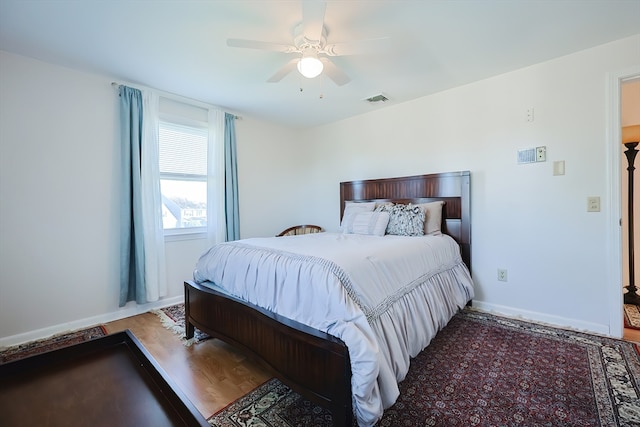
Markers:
point(180, 46)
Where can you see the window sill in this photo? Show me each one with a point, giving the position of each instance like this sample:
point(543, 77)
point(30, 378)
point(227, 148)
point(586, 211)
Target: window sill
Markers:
point(175, 237)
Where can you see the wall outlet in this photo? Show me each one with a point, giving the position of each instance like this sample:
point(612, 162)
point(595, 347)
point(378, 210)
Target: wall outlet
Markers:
point(593, 204)
point(502, 274)
point(541, 154)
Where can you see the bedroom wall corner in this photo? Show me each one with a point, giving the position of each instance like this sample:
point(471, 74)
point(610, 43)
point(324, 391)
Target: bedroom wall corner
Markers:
point(59, 192)
point(524, 218)
point(272, 163)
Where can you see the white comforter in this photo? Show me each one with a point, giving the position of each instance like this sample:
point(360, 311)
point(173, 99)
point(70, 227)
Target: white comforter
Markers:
point(385, 297)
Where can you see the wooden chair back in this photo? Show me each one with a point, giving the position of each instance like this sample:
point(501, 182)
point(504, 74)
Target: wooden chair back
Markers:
point(301, 229)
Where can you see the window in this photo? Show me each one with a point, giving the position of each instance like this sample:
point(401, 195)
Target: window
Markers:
point(183, 177)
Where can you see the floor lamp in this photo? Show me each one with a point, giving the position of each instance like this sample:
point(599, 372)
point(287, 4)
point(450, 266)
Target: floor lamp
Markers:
point(630, 139)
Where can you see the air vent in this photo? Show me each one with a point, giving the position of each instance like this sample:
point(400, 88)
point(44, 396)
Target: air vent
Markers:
point(377, 98)
point(527, 156)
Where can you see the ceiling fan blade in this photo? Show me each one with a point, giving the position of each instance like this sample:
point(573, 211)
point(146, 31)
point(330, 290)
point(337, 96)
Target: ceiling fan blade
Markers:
point(286, 69)
point(255, 44)
point(313, 19)
point(334, 73)
point(361, 47)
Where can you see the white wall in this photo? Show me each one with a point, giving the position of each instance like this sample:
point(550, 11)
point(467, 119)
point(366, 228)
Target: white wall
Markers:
point(59, 200)
point(270, 177)
point(524, 219)
point(59, 194)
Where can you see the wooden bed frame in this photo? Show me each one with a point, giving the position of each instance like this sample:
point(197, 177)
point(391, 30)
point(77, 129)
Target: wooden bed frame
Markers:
point(311, 362)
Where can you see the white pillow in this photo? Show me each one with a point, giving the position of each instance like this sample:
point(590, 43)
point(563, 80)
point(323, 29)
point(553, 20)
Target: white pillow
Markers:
point(433, 220)
point(371, 223)
point(352, 208)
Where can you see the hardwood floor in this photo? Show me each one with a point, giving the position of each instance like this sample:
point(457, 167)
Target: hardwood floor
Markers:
point(210, 373)
point(631, 335)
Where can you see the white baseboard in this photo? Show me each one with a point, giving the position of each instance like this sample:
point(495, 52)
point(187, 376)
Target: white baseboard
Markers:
point(128, 310)
point(533, 316)
point(132, 309)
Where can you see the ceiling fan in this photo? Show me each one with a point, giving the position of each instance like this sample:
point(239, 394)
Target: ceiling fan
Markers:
point(311, 48)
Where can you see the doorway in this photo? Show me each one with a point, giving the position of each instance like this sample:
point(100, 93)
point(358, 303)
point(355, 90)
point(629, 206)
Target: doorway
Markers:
point(614, 216)
point(630, 121)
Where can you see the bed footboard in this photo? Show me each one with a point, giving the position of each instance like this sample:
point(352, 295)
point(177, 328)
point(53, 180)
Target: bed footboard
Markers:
point(310, 362)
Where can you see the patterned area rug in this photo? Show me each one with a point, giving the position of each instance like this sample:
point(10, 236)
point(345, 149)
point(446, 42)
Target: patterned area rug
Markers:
point(484, 370)
point(58, 341)
point(172, 318)
point(631, 316)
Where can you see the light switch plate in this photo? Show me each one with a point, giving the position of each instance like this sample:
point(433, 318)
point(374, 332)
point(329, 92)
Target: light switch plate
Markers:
point(558, 167)
point(530, 114)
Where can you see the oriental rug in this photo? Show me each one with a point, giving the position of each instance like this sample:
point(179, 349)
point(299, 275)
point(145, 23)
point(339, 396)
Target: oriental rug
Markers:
point(486, 370)
point(55, 342)
point(172, 318)
point(631, 316)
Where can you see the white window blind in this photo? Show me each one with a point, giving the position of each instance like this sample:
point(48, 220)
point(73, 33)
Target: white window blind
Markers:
point(183, 150)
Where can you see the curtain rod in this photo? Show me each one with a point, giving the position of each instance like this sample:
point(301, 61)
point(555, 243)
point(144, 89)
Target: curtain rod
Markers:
point(116, 84)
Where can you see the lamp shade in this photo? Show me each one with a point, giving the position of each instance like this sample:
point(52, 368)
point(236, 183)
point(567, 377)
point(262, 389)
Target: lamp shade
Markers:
point(631, 134)
point(310, 66)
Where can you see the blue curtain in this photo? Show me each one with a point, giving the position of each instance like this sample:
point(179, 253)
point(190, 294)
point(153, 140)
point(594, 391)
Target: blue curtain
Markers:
point(132, 284)
point(232, 211)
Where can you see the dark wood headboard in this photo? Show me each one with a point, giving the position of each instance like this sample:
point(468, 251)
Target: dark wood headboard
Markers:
point(452, 187)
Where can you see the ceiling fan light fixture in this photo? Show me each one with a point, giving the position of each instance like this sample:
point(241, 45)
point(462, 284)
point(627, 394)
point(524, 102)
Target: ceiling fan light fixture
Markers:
point(309, 65)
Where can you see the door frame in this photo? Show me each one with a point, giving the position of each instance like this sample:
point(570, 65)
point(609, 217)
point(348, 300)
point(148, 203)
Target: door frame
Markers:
point(614, 208)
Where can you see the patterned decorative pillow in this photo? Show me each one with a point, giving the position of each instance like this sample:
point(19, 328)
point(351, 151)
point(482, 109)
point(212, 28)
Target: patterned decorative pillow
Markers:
point(404, 220)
